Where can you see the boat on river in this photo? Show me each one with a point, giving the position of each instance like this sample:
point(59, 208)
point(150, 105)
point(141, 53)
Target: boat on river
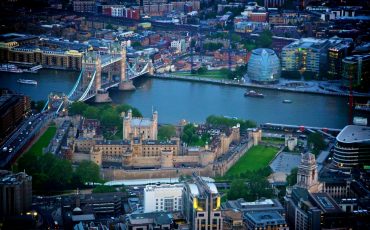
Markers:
point(252, 93)
point(26, 81)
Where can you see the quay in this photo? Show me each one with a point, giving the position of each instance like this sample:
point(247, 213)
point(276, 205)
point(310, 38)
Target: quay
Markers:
point(311, 90)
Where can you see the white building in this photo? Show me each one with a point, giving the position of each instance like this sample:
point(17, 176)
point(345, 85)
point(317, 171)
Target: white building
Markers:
point(164, 197)
point(118, 11)
point(179, 45)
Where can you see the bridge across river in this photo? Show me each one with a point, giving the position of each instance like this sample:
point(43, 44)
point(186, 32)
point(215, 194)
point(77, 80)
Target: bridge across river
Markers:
point(90, 83)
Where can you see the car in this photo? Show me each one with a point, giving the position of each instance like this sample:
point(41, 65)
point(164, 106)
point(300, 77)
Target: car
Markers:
point(5, 149)
point(10, 150)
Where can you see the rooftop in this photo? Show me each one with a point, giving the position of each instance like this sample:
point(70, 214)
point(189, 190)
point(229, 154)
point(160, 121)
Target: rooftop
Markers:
point(308, 43)
point(354, 134)
point(140, 122)
point(266, 217)
point(325, 202)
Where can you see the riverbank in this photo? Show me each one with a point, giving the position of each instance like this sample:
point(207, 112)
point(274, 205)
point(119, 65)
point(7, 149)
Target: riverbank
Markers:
point(303, 87)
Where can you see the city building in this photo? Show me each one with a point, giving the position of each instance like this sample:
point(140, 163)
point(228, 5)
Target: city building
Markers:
point(261, 205)
point(264, 66)
point(278, 43)
point(153, 220)
point(138, 127)
point(274, 3)
point(352, 147)
point(179, 45)
point(84, 6)
point(95, 203)
point(307, 175)
point(164, 197)
point(335, 55)
point(15, 193)
point(13, 108)
point(233, 219)
point(269, 220)
point(202, 205)
point(50, 53)
point(140, 149)
point(356, 72)
point(307, 56)
point(306, 205)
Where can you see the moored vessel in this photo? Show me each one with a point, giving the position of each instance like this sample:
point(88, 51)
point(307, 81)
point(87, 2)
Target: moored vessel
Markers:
point(252, 93)
point(26, 81)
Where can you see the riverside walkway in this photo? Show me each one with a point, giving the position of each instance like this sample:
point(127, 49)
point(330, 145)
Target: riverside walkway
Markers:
point(312, 87)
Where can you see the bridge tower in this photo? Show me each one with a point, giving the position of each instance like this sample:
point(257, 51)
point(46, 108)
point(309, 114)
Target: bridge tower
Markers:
point(125, 83)
point(91, 65)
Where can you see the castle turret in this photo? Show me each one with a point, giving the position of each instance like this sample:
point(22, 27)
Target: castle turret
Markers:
point(155, 125)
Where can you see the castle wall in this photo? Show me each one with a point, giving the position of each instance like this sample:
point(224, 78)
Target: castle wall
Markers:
point(120, 174)
point(78, 157)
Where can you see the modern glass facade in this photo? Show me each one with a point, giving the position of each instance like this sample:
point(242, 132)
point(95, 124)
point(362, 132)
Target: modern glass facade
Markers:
point(352, 147)
point(264, 66)
point(356, 68)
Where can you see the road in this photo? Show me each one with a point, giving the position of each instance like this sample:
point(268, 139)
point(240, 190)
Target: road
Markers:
point(24, 133)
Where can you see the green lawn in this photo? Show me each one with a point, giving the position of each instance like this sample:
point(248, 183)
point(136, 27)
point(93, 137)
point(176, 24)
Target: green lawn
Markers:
point(216, 74)
point(256, 158)
point(273, 140)
point(43, 141)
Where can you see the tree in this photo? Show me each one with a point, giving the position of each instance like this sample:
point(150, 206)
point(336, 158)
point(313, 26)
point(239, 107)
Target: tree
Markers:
point(165, 132)
point(223, 121)
point(110, 118)
point(265, 39)
point(109, 27)
point(38, 105)
point(202, 70)
point(317, 141)
point(125, 108)
point(88, 171)
point(238, 189)
point(103, 189)
point(77, 108)
point(91, 112)
point(188, 132)
point(136, 44)
point(292, 177)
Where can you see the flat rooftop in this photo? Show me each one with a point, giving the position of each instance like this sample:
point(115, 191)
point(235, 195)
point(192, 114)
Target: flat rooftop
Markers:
point(266, 217)
point(354, 134)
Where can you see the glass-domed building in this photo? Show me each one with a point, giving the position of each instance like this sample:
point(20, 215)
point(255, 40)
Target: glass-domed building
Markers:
point(264, 66)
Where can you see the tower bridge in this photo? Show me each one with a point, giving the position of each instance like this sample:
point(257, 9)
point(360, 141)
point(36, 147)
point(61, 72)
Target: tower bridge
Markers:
point(91, 83)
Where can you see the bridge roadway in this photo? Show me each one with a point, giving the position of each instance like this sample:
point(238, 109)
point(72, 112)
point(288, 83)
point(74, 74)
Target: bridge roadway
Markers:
point(21, 137)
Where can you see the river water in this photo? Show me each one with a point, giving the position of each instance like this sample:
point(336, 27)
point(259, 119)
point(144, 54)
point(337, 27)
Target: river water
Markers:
point(193, 101)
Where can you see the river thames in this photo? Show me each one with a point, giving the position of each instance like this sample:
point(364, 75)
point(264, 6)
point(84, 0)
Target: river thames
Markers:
point(193, 101)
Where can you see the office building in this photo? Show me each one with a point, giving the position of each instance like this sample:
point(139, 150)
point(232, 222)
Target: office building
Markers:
point(264, 66)
point(164, 197)
point(269, 220)
point(307, 57)
point(356, 72)
point(153, 220)
point(15, 193)
point(96, 203)
point(274, 3)
point(352, 147)
point(84, 6)
point(306, 205)
point(335, 55)
point(261, 205)
point(13, 108)
point(202, 205)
